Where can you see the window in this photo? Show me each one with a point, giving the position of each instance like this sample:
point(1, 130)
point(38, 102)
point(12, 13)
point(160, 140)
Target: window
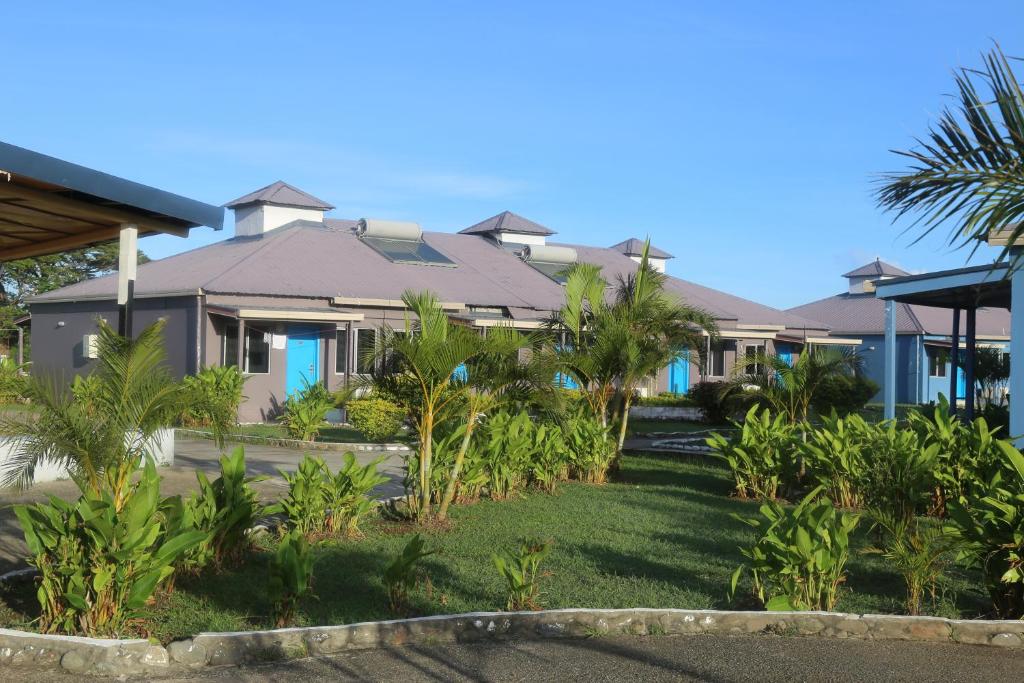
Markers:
point(341, 352)
point(257, 351)
point(716, 360)
point(752, 352)
point(392, 363)
point(229, 350)
point(408, 251)
point(365, 339)
point(937, 359)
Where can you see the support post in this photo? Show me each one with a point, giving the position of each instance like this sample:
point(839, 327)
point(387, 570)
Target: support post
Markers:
point(127, 263)
point(1016, 348)
point(889, 391)
point(954, 356)
point(21, 345)
point(241, 346)
point(969, 363)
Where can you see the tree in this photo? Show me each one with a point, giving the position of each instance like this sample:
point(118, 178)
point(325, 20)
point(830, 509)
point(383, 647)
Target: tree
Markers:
point(102, 428)
point(790, 389)
point(970, 167)
point(24, 278)
point(421, 365)
point(991, 372)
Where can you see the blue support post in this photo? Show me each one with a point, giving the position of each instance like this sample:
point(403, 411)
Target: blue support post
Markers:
point(954, 362)
point(1017, 350)
point(889, 390)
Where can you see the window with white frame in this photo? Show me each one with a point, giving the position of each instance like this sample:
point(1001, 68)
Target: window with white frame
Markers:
point(937, 359)
point(257, 351)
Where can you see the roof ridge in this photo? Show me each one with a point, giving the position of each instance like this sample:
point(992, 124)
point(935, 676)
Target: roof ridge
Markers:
point(275, 237)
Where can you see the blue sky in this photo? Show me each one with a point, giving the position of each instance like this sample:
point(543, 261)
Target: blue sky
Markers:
point(742, 137)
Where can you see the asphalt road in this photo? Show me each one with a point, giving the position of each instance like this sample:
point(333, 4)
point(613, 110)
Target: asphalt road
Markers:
point(652, 658)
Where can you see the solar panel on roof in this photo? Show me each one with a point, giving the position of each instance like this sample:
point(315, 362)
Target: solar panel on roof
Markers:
point(408, 251)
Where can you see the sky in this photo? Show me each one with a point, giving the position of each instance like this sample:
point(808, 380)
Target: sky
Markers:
point(746, 138)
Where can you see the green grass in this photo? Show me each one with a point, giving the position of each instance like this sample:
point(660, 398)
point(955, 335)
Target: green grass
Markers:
point(333, 434)
point(660, 536)
point(648, 426)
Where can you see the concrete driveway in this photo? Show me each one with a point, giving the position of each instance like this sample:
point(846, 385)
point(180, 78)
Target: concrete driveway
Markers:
point(190, 455)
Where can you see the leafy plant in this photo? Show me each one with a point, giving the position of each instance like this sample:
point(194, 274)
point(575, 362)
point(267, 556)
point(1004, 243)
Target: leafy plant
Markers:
point(843, 393)
point(291, 576)
point(376, 418)
point(306, 410)
point(521, 570)
point(225, 509)
point(550, 464)
point(718, 401)
point(834, 457)
point(348, 494)
point(762, 454)
point(991, 527)
point(305, 505)
point(900, 473)
point(12, 380)
point(799, 559)
point(100, 559)
point(403, 574)
point(590, 447)
point(211, 399)
point(508, 447)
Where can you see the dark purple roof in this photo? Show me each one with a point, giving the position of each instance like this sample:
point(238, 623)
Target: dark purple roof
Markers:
point(877, 267)
point(508, 222)
point(281, 194)
point(864, 314)
point(635, 247)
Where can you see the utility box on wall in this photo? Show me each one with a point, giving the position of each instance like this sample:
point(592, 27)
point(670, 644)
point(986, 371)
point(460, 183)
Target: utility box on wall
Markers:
point(89, 346)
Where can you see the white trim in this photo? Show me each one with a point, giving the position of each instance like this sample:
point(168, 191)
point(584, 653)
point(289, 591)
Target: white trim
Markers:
point(112, 297)
point(741, 334)
point(777, 328)
point(508, 322)
point(298, 316)
point(388, 303)
point(834, 341)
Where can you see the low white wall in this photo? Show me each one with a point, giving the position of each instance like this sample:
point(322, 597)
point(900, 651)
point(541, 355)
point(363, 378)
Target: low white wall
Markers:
point(666, 413)
point(163, 452)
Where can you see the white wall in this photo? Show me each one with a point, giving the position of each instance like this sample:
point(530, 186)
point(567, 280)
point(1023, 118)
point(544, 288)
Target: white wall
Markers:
point(520, 238)
point(657, 263)
point(257, 219)
point(163, 453)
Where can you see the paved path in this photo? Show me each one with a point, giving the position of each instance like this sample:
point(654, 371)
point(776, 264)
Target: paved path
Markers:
point(190, 455)
point(652, 658)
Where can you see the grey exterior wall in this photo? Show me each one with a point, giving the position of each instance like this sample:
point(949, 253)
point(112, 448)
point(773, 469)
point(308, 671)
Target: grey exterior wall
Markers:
point(57, 348)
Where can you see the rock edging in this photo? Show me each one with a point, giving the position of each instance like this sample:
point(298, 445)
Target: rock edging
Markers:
point(97, 656)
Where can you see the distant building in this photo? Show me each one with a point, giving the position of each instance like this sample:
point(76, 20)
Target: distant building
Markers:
point(923, 333)
point(295, 296)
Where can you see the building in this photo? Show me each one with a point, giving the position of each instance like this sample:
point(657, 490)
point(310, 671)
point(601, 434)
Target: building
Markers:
point(923, 333)
point(295, 295)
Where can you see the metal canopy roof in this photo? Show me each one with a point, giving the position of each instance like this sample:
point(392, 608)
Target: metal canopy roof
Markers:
point(48, 206)
point(975, 287)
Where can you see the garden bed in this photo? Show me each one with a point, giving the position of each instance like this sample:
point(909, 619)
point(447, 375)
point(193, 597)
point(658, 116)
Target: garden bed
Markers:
point(329, 438)
point(660, 536)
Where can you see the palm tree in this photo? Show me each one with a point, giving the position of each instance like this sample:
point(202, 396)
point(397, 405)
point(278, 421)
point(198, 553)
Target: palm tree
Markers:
point(970, 167)
point(102, 432)
point(789, 389)
point(492, 378)
point(422, 363)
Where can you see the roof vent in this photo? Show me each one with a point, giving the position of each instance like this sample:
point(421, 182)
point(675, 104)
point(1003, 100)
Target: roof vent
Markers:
point(391, 230)
point(273, 206)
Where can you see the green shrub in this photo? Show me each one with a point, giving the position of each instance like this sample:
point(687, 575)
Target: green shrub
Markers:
point(98, 566)
point(843, 394)
point(666, 400)
point(291, 576)
point(761, 456)
point(591, 448)
point(799, 559)
point(834, 457)
point(305, 505)
point(212, 397)
point(348, 494)
point(306, 411)
point(900, 475)
point(550, 463)
point(521, 571)
point(403, 574)
point(378, 419)
point(719, 401)
point(507, 447)
point(12, 381)
point(991, 526)
point(225, 509)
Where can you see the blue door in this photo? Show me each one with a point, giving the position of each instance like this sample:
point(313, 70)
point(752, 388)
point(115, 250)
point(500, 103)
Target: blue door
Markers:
point(785, 352)
point(679, 374)
point(961, 383)
point(303, 358)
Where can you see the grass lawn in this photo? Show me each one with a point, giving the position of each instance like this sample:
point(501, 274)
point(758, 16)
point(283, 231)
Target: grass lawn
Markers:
point(332, 434)
point(660, 536)
point(648, 426)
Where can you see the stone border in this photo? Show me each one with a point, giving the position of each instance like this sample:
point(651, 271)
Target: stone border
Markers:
point(96, 656)
point(295, 443)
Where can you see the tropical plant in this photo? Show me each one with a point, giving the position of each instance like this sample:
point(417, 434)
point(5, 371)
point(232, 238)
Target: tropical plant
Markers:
point(590, 447)
point(403, 574)
point(12, 380)
point(507, 447)
point(425, 363)
point(843, 393)
point(550, 463)
point(101, 436)
point(719, 401)
point(348, 493)
point(306, 410)
point(991, 373)
point(969, 169)
point(291, 576)
point(834, 457)
point(100, 558)
point(799, 559)
point(900, 475)
point(377, 419)
point(306, 503)
point(789, 388)
point(225, 509)
point(991, 528)
point(762, 454)
point(211, 399)
point(521, 570)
